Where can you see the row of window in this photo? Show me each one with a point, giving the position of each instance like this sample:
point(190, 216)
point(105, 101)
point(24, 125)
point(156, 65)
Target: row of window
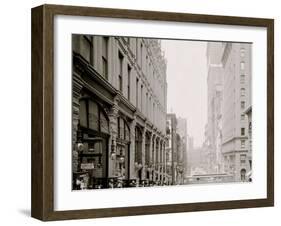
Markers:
point(143, 101)
point(93, 117)
point(87, 52)
point(243, 158)
point(242, 94)
point(242, 55)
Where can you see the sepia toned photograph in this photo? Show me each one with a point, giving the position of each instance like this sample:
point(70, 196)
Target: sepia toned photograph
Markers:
point(160, 112)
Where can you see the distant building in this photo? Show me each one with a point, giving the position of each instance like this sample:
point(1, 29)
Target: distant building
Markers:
point(196, 161)
point(214, 120)
point(206, 152)
point(189, 150)
point(190, 143)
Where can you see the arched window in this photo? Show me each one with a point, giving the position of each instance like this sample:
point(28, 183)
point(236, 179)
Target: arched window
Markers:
point(92, 116)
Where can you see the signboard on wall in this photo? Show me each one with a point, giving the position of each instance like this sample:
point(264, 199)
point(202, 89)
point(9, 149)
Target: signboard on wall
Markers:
point(87, 166)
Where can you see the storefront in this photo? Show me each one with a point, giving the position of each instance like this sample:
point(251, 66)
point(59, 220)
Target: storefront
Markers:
point(92, 138)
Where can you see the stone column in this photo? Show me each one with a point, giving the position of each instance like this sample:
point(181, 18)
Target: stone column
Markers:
point(154, 157)
point(164, 160)
point(143, 174)
point(112, 115)
point(77, 86)
point(158, 160)
point(132, 150)
point(150, 156)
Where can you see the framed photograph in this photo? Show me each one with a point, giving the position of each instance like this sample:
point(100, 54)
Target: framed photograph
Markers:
point(141, 112)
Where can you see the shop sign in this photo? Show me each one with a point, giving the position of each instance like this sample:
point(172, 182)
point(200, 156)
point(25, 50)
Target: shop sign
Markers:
point(87, 166)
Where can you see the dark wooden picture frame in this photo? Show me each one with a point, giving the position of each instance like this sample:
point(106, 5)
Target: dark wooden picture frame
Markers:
point(42, 203)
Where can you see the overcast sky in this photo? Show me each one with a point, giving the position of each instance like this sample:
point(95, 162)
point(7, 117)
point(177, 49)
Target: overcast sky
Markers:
point(187, 84)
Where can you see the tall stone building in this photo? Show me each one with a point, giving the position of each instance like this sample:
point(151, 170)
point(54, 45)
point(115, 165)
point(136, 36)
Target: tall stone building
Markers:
point(214, 120)
point(233, 61)
point(236, 61)
point(119, 111)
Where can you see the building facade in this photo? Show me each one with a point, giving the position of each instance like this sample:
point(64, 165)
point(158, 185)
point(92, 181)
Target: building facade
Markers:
point(233, 62)
point(248, 113)
point(237, 66)
point(119, 112)
point(214, 108)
